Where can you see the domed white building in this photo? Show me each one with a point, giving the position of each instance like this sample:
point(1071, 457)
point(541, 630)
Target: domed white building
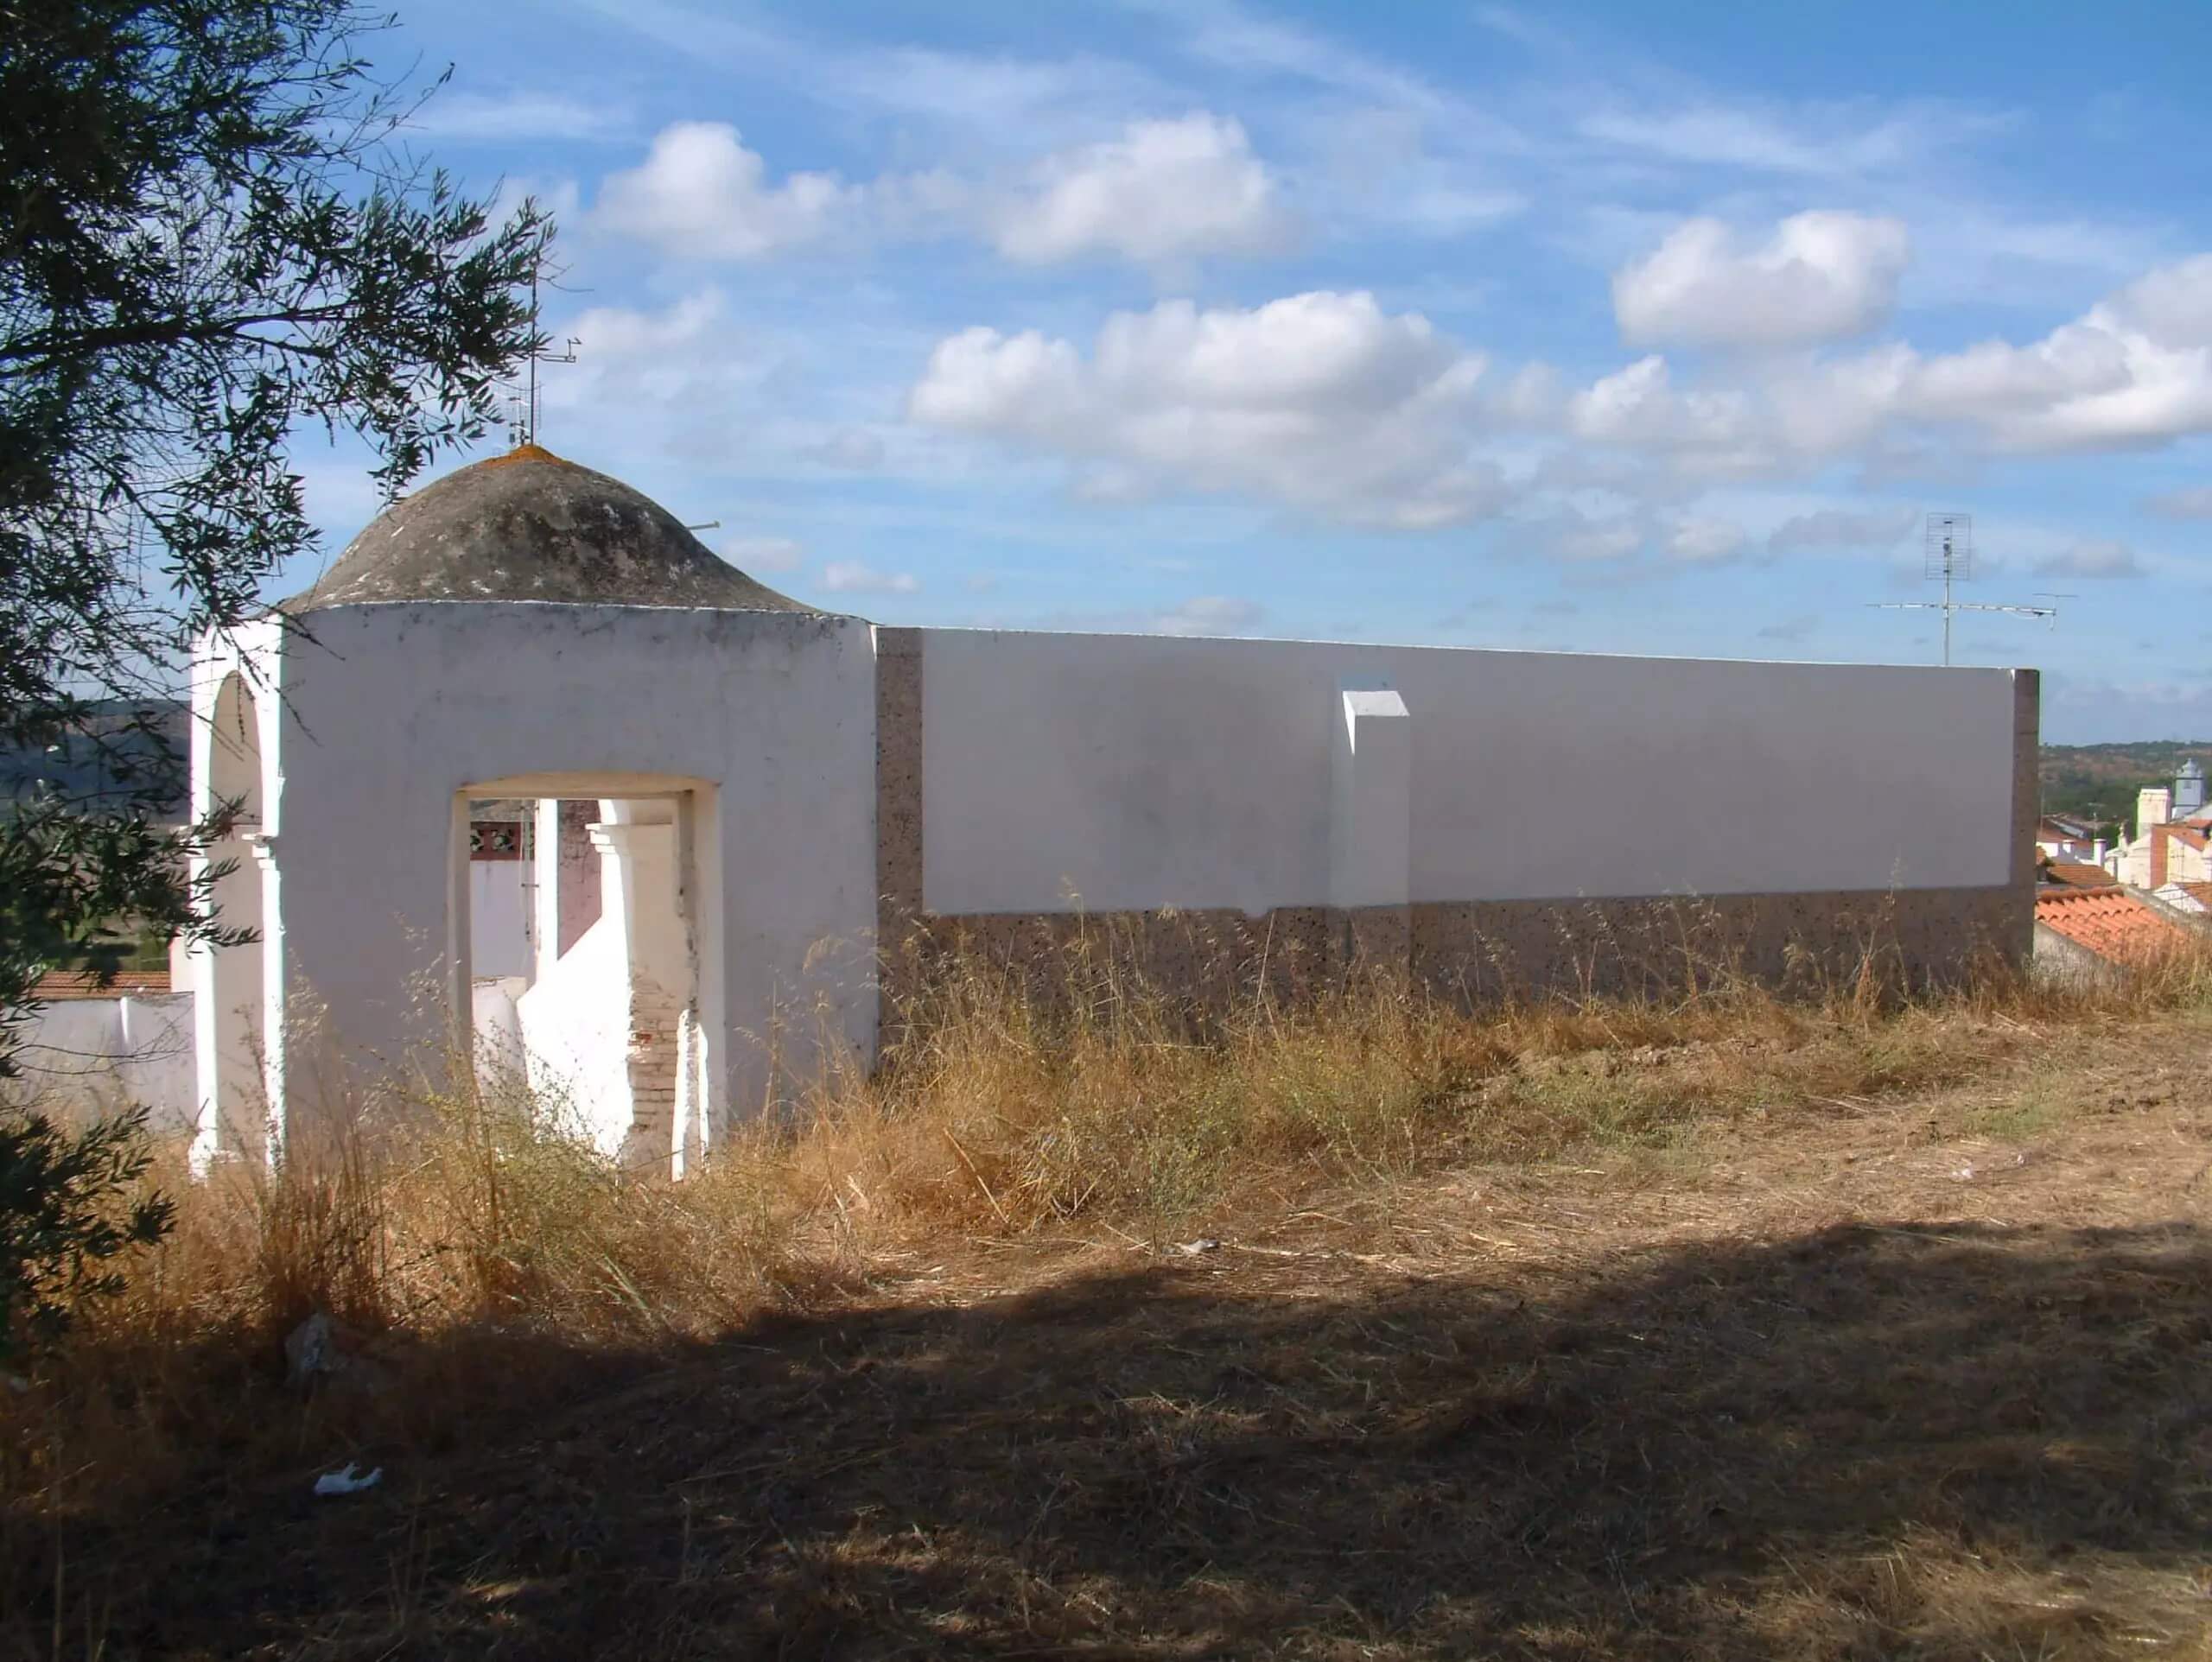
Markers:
point(738, 800)
point(525, 627)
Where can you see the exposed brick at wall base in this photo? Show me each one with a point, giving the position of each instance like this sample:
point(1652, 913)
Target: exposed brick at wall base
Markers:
point(655, 1020)
point(1474, 951)
point(1918, 937)
point(1209, 961)
point(898, 801)
point(2027, 803)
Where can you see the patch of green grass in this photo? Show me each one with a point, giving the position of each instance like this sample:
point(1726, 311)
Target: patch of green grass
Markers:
point(2041, 1107)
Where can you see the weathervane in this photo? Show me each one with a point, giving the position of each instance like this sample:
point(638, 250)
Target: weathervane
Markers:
point(1948, 553)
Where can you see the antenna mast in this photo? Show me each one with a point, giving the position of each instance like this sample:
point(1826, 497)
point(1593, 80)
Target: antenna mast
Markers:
point(524, 423)
point(1948, 553)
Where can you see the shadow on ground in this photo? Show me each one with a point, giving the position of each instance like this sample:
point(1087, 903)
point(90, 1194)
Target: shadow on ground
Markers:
point(1941, 1442)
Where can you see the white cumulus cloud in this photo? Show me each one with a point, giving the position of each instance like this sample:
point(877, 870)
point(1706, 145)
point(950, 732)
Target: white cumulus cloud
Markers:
point(1158, 191)
point(618, 334)
point(1821, 277)
point(2134, 370)
point(1321, 400)
point(699, 192)
point(1704, 430)
point(661, 366)
point(1163, 190)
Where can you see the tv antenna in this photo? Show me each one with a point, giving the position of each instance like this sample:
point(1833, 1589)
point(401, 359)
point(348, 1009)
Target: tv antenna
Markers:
point(523, 422)
point(1948, 553)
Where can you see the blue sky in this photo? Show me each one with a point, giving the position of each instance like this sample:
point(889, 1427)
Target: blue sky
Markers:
point(1607, 328)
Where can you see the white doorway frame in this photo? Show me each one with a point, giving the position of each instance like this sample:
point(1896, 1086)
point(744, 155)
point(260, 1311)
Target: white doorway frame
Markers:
point(701, 1108)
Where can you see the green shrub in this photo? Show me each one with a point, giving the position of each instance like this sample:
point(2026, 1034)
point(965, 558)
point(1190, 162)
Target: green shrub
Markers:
point(67, 1212)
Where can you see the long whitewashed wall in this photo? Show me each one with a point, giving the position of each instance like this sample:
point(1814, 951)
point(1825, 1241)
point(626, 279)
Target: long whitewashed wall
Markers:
point(1034, 777)
point(1140, 772)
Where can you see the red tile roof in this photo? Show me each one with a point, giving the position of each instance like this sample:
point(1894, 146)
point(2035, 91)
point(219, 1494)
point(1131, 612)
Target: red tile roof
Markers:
point(2199, 892)
point(2112, 923)
point(59, 983)
point(2075, 874)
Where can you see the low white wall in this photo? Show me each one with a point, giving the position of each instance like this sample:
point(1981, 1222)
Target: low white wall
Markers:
point(496, 1028)
point(84, 1057)
point(2065, 962)
point(1143, 771)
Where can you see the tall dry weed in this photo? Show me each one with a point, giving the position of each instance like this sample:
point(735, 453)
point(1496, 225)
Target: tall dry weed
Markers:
point(1031, 1090)
point(470, 1242)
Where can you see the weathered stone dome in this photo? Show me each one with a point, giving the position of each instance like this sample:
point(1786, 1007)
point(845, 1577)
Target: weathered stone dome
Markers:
point(529, 526)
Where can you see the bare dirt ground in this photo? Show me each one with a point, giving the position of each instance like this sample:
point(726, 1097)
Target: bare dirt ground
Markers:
point(1843, 1379)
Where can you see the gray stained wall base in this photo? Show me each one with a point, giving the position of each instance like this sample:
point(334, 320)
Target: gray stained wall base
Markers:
point(1472, 950)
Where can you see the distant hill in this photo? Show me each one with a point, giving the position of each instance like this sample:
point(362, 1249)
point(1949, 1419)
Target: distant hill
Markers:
point(85, 767)
point(2100, 780)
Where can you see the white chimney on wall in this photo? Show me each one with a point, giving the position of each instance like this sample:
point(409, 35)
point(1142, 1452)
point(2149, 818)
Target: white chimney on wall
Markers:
point(2154, 805)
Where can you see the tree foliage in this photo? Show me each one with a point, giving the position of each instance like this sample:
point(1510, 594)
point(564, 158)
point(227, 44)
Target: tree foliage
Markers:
point(212, 237)
point(65, 1217)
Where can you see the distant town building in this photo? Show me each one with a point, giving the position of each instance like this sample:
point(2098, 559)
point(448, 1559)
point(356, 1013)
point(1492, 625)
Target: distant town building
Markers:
point(2071, 874)
point(2067, 836)
point(2192, 898)
point(2173, 834)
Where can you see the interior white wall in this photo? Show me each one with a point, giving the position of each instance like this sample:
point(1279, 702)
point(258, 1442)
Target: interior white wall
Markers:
point(636, 841)
point(497, 1025)
point(564, 875)
point(391, 709)
point(1141, 771)
point(581, 1020)
point(499, 917)
point(575, 1026)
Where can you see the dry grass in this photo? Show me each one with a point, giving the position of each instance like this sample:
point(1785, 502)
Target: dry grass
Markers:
point(1015, 1106)
point(1521, 1342)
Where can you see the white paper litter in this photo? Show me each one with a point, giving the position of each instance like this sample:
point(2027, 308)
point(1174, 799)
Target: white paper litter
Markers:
point(349, 1481)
